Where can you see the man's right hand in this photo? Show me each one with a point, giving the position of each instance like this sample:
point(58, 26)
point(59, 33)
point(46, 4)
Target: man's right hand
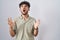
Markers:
point(10, 22)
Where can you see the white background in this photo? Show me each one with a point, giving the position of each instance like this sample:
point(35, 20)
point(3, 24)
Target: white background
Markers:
point(48, 11)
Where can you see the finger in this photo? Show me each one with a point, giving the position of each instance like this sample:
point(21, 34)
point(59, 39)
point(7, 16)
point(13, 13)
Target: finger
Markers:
point(38, 21)
point(10, 19)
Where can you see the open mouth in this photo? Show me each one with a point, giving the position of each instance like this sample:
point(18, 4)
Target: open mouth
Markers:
point(23, 10)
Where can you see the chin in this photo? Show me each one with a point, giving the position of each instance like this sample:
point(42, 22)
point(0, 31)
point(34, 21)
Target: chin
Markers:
point(24, 13)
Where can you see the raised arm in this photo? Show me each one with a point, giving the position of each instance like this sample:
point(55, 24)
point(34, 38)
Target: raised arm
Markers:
point(11, 25)
point(36, 24)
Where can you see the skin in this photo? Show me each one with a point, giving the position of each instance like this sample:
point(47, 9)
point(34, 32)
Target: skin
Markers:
point(24, 10)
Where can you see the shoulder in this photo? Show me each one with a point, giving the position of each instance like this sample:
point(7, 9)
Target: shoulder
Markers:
point(16, 18)
point(32, 18)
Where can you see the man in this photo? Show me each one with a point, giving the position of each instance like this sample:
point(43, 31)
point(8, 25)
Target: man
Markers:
point(24, 27)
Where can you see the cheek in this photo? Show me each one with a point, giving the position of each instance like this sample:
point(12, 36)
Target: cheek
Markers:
point(27, 9)
point(21, 9)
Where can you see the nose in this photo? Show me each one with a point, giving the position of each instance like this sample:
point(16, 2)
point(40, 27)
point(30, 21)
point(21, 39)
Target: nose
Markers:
point(23, 7)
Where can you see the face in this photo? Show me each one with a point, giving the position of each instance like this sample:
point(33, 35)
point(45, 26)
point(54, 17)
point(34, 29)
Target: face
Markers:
point(24, 9)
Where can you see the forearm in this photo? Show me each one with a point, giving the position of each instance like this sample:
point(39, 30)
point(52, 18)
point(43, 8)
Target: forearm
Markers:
point(12, 33)
point(35, 32)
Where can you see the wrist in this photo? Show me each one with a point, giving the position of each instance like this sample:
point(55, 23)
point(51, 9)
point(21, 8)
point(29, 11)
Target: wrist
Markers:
point(35, 28)
point(11, 28)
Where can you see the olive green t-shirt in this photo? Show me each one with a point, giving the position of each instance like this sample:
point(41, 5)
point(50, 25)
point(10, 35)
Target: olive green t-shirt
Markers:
point(24, 28)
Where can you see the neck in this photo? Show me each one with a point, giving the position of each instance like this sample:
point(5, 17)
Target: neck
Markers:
point(25, 16)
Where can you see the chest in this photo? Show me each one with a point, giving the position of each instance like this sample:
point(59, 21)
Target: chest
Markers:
point(25, 25)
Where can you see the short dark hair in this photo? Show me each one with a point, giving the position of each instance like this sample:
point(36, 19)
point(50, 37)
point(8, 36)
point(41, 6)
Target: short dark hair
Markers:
point(24, 2)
